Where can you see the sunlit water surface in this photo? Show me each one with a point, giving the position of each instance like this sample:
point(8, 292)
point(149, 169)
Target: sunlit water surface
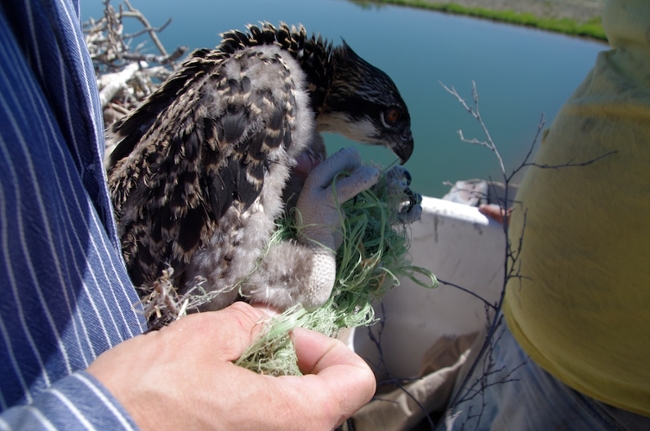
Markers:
point(520, 73)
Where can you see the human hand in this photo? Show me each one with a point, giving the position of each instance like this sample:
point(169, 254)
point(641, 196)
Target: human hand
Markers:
point(495, 212)
point(182, 377)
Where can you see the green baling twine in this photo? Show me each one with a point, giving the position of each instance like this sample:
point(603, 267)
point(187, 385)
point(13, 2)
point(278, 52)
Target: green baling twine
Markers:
point(371, 261)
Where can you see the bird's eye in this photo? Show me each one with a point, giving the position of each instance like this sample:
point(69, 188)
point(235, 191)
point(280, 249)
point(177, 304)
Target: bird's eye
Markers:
point(391, 116)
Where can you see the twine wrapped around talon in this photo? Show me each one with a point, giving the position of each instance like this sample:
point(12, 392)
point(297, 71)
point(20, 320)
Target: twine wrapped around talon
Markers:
point(371, 260)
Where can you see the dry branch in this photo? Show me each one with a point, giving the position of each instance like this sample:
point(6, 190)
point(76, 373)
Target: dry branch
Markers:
point(125, 74)
point(512, 264)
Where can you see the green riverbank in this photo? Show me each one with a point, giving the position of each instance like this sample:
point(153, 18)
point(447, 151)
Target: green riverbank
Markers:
point(590, 27)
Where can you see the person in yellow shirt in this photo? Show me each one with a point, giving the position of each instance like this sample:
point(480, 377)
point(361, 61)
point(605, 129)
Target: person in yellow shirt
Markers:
point(573, 347)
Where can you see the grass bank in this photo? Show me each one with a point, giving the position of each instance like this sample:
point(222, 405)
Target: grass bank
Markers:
point(593, 28)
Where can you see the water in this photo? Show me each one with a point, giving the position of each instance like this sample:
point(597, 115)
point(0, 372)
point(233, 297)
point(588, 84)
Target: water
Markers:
point(520, 73)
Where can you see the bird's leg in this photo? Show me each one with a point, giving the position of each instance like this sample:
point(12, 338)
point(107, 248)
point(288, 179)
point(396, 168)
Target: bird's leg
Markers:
point(319, 216)
point(406, 202)
point(304, 271)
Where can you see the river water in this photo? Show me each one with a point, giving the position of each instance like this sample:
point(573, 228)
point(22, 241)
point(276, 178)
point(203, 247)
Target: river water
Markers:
point(521, 74)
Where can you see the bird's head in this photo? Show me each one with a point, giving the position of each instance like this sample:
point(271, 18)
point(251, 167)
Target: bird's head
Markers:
point(362, 103)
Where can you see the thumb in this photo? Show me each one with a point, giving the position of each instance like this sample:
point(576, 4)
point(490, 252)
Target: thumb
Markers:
point(340, 372)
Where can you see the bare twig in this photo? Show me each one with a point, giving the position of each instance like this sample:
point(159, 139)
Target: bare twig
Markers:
point(147, 29)
point(153, 33)
point(485, 365)
point(397, 382)
point(152, 58)
point(474, 112)
point(475, 295)
point(540, 127)
point(512, 264)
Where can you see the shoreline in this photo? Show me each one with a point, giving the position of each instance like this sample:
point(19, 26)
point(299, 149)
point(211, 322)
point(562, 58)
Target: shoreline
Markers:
point(579, 18)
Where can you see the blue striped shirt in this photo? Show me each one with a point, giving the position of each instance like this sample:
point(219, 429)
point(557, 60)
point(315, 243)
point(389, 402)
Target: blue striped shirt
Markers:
point(65, 296)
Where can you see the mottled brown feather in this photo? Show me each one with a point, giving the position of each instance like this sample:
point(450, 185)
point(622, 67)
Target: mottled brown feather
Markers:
point(209, 150)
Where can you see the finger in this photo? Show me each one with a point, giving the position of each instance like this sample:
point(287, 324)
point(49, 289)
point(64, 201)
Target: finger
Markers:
point(350, 381)
point(317, 351)
point(492, 211)
point(495, 212)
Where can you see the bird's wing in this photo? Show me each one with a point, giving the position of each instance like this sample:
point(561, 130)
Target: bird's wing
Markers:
point(226, 128)
point(129, 130)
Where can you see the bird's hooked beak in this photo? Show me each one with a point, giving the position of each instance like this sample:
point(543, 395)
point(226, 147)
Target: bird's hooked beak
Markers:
point(403, 148)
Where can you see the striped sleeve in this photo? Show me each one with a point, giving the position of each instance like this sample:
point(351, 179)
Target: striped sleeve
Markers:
point(65, 296)
point(77, 402)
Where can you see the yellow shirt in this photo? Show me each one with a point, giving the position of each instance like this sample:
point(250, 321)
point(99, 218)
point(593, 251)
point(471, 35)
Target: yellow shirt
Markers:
point(582, 312)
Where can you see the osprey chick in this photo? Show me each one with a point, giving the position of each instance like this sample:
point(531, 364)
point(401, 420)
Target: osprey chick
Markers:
point(198, 173)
